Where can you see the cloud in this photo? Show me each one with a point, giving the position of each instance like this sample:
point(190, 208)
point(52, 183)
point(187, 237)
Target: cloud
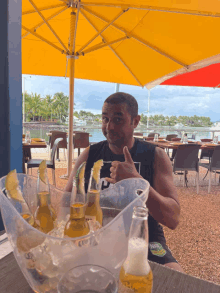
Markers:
point(166, 100)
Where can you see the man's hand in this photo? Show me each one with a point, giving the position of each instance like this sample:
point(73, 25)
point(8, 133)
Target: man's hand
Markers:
point(123, 170)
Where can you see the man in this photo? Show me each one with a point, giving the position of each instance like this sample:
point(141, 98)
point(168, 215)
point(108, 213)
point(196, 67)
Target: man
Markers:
point(128, 155)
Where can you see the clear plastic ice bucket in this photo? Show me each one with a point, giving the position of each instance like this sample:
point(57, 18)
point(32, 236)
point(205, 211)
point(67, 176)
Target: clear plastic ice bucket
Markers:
point(47, 258)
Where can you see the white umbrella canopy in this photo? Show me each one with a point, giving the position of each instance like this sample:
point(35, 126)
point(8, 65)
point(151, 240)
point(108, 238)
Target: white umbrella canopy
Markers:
point(135, 42)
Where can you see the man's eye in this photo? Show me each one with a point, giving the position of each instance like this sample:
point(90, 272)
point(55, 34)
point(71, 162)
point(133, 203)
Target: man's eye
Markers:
point(118, 120)
point(105, 119)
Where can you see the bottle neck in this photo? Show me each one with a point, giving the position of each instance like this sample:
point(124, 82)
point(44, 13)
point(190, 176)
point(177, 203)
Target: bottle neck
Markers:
point(43, 198)
point(139, 224)
point(94, 183)
point(43, 190)
point(93, 197)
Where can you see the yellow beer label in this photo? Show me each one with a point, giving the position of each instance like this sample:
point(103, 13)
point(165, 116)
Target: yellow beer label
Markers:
point(157, 249)
point(123, 289)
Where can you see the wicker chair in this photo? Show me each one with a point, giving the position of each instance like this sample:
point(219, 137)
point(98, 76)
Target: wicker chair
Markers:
point(170, 136)
point(62, 145)
point(80, 140)
point(186, 159)
point(213, 165)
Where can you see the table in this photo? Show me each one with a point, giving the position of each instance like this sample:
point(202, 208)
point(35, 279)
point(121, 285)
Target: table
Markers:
point(26, 147)
point(50, 134)
point(166, 280)
point(172, 145)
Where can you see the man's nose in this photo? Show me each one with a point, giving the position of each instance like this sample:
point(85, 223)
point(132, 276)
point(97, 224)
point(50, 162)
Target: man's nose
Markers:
point(110, 125)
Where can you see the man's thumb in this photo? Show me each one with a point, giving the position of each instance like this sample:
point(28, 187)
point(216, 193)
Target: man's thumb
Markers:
point(127, 155)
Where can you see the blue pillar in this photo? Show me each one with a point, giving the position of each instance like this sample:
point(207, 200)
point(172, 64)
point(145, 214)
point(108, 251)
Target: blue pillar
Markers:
point(10, 88)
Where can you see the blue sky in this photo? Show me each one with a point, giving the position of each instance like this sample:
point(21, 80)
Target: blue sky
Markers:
point(166, 100)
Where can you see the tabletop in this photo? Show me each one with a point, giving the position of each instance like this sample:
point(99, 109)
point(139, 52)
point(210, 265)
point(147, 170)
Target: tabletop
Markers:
point(34, 144)
point(174, 145)
point(165, 280)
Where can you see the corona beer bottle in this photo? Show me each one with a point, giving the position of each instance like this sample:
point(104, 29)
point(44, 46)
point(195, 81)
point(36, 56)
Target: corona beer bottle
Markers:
point(93, 211)
point(77, 225)
point(45, 215)
point(136, 275)
point(13, 192)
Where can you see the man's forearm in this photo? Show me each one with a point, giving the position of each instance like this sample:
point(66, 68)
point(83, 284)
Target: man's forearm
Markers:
point(165, 210)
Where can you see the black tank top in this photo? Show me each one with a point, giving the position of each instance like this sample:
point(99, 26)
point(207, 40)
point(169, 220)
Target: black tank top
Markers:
point(142, 154)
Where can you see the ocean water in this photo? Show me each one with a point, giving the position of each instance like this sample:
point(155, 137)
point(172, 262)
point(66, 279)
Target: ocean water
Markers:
point(97, 135)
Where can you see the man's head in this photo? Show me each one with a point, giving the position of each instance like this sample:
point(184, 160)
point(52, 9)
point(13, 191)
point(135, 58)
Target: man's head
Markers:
point(120, 118)
point(129, 100)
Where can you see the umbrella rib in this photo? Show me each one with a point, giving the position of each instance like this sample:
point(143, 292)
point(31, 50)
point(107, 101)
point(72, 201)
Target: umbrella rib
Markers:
point(47, 23)
point(121, 60)
point(155, 8)
point(43, 8)
point(101, 45)
point(41, 23)
point(43, 39)
point(138, 39)
point(102, 30)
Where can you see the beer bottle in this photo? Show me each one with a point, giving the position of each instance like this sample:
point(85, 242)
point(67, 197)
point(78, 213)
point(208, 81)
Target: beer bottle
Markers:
point(77, 225)
point(45, 215)
point(14, 194)
point(93, 211)
point(136, 275)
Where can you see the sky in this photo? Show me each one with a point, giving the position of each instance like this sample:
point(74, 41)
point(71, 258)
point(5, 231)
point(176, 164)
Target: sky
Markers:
point(165, 100)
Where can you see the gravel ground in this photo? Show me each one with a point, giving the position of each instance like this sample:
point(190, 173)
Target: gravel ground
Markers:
point(195, 243)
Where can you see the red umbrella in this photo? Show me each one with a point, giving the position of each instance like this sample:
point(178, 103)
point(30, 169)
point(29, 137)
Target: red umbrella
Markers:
point(205, 77)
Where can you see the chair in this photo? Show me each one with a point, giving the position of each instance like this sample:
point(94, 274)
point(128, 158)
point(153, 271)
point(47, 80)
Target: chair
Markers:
point(170, 136)
point(186, 159)
point(80, 141)
point(206, 140)
point(174, 150)
point(138, 134)
point(34, 163)
point(149, 138)
point(152, 134)
point(58, 134)
point(176, 139)
point(213, 165)
point(206, 154)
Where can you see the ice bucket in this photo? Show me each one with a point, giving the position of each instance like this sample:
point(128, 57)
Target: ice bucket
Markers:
point(46, 258)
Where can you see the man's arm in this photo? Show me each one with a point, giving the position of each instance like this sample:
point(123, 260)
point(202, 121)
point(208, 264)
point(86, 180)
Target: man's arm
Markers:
point(82, 158)
point(163, 200)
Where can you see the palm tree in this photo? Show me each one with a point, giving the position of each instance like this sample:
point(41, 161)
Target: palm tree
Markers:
point(61, 104)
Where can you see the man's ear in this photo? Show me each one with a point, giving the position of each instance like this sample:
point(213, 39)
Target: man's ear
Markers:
point(136, 120)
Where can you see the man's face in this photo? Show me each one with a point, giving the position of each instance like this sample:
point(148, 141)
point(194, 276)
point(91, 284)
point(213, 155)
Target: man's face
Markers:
point(117, 125)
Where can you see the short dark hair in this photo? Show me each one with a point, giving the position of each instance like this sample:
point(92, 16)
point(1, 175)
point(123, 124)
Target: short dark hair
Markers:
point(120, 97)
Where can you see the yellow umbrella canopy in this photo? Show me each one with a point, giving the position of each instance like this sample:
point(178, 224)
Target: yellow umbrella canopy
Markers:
point(136, 42)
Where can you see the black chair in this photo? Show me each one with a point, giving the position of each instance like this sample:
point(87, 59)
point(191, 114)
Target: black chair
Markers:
point(186, 159)
point(34, 163)
point(213, 165)
point(152, 134)
point(62, 145)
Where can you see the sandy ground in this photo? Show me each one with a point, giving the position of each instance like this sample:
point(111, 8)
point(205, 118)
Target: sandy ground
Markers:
point(196, 241)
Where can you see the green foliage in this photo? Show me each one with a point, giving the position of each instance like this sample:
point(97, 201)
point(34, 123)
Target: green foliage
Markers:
point(193, 121)
point(53, 107)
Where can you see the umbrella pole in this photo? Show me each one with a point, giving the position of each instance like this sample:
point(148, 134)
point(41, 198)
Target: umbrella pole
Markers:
point(71, 103)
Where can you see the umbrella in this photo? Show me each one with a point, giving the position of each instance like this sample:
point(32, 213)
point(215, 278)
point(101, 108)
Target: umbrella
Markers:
point(205, 77)
point(132, 42)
